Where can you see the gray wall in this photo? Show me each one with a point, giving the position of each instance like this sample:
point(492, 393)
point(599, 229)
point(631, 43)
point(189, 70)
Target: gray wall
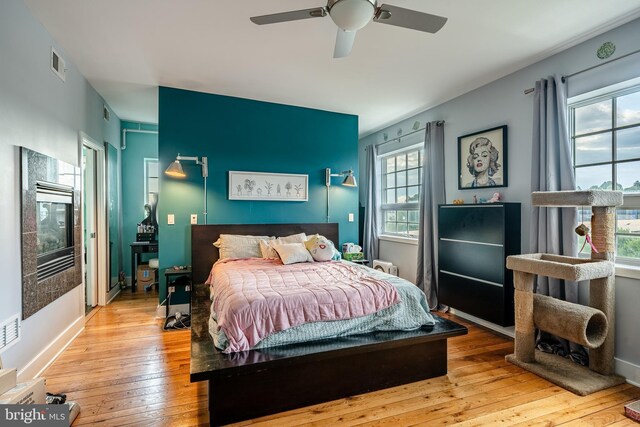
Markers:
point(38, 111)
point(503, 102)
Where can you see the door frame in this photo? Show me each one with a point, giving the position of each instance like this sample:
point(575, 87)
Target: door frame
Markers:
point(90, 225)
point(102, 231)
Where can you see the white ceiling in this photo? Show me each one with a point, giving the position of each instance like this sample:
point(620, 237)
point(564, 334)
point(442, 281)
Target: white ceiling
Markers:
point(126, 49)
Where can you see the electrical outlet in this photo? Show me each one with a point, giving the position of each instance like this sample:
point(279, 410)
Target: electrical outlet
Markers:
point(171, 219)
point(350, 217)
point(194, 218)
point(172, 289)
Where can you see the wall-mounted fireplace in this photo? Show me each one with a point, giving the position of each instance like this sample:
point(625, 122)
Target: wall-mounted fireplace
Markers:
point(54, 207)
point(51, 235)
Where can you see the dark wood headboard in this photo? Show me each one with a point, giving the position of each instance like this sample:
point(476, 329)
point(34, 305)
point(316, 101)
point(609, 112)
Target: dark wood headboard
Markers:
point(204, 254)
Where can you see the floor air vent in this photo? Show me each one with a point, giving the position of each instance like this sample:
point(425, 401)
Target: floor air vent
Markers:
point(9, 332)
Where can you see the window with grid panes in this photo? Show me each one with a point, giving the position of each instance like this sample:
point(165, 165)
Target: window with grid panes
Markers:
point(401, 178)
point(605, 132)
point(150, 180)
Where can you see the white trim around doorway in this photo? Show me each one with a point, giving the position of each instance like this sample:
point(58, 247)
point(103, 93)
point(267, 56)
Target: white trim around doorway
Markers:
point(102, 231)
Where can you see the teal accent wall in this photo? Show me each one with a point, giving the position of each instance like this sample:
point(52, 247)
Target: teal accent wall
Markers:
point(139, 147)
point(246, 135)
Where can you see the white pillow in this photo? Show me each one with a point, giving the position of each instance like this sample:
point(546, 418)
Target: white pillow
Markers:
point(294, 238)
point(320, 248)
point(291, 253)
point(239, 246)
point(266, 249)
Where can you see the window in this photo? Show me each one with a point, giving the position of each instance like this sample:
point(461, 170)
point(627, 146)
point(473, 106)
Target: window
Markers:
point(605, 134)
point(150, 180)
point(401, 178)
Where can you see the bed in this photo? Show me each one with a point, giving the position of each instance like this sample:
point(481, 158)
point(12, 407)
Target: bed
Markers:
point(248, 384)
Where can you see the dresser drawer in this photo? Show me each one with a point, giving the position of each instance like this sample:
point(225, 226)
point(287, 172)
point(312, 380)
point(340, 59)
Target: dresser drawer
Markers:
point(479, 261)
point(476, 298)
point(473, 223)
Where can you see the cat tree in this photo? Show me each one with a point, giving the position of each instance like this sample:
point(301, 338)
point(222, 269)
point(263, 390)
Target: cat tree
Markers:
point(592, 326)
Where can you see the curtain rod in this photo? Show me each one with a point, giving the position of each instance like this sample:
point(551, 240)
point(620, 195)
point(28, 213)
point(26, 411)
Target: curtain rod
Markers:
point(398, 138)
point(564, 78)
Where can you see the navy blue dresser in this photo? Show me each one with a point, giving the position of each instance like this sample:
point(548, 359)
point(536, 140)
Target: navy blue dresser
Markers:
point(473, 243)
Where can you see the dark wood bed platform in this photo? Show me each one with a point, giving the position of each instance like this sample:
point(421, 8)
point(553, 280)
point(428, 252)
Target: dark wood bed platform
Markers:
point(254, 383)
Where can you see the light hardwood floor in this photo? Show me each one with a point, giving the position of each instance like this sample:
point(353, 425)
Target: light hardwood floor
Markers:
point(123, 370)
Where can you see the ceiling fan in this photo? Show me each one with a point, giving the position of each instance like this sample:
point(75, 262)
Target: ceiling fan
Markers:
point(352, 15)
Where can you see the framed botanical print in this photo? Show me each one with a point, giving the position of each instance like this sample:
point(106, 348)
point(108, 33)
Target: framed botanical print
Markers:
point(283, 187)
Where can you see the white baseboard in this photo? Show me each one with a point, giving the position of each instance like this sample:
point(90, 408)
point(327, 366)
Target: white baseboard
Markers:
point(38, 364)
point(160, 310)
point(628, 370)
point(113, 293)
point(508, 331)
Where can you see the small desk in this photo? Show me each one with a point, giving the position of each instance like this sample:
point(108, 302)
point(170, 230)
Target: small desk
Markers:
point(138, 248)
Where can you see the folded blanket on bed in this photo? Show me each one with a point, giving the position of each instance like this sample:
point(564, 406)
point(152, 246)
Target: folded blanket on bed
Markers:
point(254, 298)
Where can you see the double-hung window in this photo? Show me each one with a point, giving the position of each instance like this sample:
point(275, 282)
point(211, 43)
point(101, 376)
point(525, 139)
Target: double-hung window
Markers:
point(401, 176)
point(605, 133)
point(150, 180)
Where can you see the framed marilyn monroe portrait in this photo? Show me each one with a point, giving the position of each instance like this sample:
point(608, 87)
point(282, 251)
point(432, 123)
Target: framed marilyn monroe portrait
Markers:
point(482, 159)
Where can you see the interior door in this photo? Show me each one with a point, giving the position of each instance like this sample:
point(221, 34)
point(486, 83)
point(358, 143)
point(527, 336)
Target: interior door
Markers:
point(89, 191)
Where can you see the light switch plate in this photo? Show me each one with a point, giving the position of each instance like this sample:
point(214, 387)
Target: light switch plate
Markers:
point(350, 217)
point(171, 219)
point(194, 218)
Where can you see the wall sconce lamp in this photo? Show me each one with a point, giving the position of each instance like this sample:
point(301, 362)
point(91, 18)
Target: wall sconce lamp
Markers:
point(349, 181)
point(175, 171)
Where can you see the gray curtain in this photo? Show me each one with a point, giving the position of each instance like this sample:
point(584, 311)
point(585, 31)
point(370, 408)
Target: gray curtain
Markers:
point(432, 193)
point(552, 229)
point(370, 234)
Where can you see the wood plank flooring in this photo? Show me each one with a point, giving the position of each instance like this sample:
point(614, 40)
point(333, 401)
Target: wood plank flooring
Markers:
point(123, 370)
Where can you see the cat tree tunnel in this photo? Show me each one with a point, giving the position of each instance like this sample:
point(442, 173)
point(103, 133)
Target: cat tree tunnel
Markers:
point(583, 325)
point(592, 326)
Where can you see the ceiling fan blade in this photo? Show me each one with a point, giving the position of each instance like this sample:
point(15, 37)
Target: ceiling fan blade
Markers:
point(407, 18)
point(344, 43)
point(294, 15)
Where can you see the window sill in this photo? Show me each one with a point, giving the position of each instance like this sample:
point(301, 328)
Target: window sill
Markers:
point(398, 239)
point(629, 271)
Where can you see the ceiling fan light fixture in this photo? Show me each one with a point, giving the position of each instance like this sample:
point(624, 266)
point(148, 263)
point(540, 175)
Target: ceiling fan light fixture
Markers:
point(351, 15)
point(383, 14)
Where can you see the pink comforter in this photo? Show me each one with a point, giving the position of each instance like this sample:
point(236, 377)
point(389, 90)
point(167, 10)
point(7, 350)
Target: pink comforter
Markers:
point(254, 298)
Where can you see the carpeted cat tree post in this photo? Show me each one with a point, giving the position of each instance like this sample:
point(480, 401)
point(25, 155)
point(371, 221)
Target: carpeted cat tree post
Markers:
point(592, 326)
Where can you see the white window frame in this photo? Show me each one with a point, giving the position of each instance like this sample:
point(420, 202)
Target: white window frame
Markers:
point(383, 207)
point(147, 162)
point(630, 200)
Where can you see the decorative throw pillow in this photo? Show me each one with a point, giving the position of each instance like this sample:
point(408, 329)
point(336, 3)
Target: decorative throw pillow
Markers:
point(291, 253)
point(320, 248)
point(239, 246)
point(266, 249)
point(294, 238)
